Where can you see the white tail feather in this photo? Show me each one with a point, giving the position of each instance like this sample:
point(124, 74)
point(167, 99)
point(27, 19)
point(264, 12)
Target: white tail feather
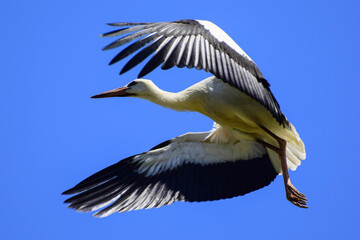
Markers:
point(295, 151)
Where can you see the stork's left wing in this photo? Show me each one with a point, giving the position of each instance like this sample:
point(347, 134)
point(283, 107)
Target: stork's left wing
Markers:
point(194, 43)
point(193, 167)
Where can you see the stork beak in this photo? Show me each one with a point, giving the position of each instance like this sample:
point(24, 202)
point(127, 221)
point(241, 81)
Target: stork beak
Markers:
point(118, 92)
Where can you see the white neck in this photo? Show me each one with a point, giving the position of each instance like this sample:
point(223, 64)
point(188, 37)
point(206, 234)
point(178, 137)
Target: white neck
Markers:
point(181, 101)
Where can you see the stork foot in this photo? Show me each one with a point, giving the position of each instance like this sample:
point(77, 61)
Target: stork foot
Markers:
point(294, 196)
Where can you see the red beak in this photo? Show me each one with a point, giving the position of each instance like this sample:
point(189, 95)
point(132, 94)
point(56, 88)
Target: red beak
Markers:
point(119, 92)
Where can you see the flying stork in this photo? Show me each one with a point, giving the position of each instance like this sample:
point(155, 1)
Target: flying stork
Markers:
point(251, 143)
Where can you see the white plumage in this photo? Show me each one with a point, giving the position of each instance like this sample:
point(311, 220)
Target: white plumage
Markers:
point(189, 149)
point(251, 142)
point(221, 36)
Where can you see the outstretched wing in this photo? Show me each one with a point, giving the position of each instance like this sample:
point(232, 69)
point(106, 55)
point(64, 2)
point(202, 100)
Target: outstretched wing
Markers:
point(194, 43)
point(192, 167)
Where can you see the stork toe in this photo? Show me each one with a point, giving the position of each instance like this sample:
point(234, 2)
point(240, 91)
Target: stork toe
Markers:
point(296, 197)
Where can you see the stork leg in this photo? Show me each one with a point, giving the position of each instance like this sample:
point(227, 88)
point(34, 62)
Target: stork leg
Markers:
point(292, 194)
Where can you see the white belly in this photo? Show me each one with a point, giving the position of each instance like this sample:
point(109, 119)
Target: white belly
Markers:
point(243, 117)
point(233, 109)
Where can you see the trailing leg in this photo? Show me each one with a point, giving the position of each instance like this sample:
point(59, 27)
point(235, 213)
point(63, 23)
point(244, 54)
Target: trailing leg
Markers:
point(292, 194)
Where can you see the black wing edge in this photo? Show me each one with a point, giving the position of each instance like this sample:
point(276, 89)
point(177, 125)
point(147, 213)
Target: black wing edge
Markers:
point(125, 189)
point(138, 30)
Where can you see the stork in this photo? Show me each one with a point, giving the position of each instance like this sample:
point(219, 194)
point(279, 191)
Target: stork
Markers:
point(251, 143)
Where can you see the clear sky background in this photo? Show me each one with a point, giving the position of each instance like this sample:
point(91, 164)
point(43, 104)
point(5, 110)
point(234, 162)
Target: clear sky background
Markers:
point(52, 135)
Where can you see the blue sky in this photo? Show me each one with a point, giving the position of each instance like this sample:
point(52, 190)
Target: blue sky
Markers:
point(53, 135)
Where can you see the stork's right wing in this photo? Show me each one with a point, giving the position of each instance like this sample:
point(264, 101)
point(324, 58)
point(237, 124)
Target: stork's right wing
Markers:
point(192, 167)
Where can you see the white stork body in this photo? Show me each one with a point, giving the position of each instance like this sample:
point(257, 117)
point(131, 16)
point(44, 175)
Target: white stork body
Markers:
point(239, 116)
point(251, 143)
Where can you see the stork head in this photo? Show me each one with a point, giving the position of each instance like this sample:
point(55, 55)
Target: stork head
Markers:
point(137, 88)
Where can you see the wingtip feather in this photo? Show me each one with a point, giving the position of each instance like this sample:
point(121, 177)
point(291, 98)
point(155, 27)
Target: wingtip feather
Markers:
point(112, 24)
point(68, 192)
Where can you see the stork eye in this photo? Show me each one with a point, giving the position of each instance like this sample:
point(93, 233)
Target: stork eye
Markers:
point(132, 83)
